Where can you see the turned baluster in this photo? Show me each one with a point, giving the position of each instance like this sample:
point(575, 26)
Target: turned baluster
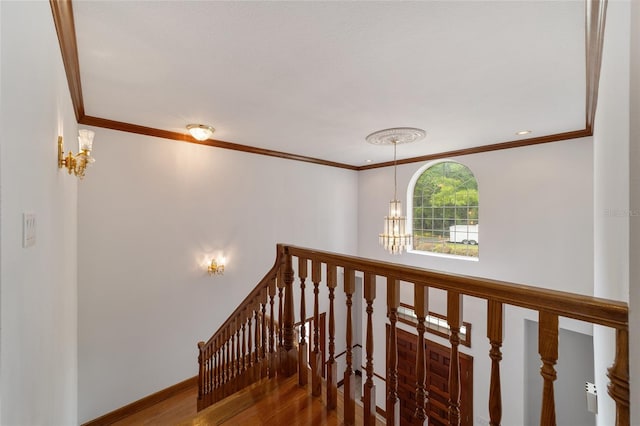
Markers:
point(280, 282)
point(219, 372)
point(233, 358)
point(255, 374)
point(495, 334)
point(289, 355)
point(222, 367)
point(454, 318)
point(316, 358)
point(264, 333)
point(393, 302)
point(214, 372)
point(212, 368)
point(332, 366)
point(243, 357)
point(303, 354)
point(272, 328)
point(548, 349)
point(225, 362)
point(349, 376)
point(238, 372)
point(618, 375)
point(421, 295)
point(217, 368)
point(248, 377)
point(369, 412)
point(229, 364)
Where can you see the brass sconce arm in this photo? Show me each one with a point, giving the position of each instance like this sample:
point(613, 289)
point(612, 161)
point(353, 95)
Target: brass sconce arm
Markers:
point(76, 164)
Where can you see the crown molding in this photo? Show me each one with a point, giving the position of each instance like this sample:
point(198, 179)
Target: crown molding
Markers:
point(486, 148)
point(65, 28)
point(595, 17)
point(182, 137)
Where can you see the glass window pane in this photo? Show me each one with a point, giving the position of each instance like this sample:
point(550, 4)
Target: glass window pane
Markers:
point(446, 210)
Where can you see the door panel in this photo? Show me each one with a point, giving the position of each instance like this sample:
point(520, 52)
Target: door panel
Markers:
point(437, 382)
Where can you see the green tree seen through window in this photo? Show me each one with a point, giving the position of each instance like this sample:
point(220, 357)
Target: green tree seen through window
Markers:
point(445, 210)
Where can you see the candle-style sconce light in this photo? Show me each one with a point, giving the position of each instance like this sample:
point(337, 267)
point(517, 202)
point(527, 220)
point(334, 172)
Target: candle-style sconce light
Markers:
point(77, 163)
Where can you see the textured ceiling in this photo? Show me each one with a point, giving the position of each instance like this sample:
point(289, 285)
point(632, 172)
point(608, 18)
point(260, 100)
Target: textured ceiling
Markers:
point(314, 78)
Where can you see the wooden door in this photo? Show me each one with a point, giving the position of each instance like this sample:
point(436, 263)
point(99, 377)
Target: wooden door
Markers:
point(437, 381)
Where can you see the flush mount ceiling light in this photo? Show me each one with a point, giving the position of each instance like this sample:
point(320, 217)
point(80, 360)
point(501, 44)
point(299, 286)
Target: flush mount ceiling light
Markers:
point(394, 238)
point(523, 132)
point(200, 132)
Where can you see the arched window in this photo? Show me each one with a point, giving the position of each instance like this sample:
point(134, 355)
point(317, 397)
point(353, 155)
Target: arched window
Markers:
point(445, 210)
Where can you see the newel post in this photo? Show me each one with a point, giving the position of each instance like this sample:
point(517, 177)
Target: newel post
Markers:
point(200, 374)
point(289, 359)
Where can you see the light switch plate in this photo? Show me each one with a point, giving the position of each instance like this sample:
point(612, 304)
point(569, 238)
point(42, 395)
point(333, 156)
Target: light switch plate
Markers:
point(28, 229)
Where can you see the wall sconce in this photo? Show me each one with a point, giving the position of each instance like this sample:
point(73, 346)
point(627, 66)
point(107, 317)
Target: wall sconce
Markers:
point(78, 163)
point(216, 266)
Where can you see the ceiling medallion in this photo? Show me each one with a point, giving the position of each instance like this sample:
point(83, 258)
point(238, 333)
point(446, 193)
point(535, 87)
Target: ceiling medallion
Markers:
point(396, 136)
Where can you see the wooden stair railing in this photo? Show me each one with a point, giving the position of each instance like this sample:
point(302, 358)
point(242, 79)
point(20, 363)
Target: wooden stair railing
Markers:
point(231, 360)
point(223, 371)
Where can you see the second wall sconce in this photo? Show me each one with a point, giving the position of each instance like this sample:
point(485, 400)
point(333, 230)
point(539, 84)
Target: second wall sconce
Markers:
point(216, 266)
point(77, 164)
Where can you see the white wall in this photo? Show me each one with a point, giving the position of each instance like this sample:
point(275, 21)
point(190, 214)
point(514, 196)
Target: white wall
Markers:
point(537, 229)
point(634, 207)
point(38, 355)
point(150, 211)
point(611, 186)
point(575, 367)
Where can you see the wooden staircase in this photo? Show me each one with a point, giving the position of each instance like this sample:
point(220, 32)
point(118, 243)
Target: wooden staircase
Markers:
point(276, 401)
point(254, 370)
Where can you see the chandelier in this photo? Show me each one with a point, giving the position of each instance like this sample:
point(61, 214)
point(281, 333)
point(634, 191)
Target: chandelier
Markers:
point(394, 238)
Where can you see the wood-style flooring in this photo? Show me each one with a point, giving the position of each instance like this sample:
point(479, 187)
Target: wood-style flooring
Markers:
point(169, 412)
point(272, 402)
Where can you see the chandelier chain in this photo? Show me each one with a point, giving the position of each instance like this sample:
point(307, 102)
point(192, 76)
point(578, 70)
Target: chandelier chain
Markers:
point(395, 172)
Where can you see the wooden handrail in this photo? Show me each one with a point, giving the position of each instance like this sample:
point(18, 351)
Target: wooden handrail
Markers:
point(234, 357)
point(610, 313)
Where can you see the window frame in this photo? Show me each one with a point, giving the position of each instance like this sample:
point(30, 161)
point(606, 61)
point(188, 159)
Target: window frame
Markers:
point(409, 204)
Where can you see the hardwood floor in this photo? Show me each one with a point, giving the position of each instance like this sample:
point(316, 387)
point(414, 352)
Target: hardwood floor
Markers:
point(171, 411)
point(273, 402)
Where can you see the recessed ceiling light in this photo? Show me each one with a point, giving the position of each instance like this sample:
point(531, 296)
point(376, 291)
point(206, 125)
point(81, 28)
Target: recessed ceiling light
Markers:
point(200, 132)
point(367, 161)
point(523, 132)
